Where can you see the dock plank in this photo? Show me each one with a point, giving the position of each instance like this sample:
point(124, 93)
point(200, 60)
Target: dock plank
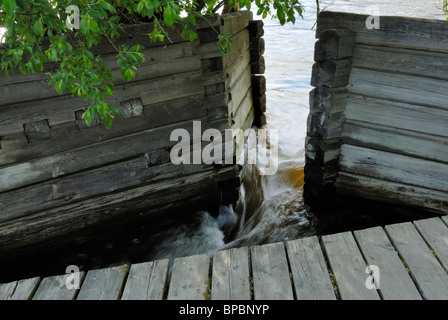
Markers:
point(55, 288)
point(103, 284)
point(309, 271)
point(427, 272)
point(271, 278)
point(190, 278)
point(348, 266)
point(230, 275)
point(146, 281)
point(394, 281)
point(19, 290)
point(435, 233)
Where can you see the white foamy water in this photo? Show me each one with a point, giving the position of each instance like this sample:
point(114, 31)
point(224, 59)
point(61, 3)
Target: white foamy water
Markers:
point(271, 207)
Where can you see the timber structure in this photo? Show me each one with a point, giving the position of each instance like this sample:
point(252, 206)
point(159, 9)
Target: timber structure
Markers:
point(378, 122)
point(59, 177)
point(403, 261)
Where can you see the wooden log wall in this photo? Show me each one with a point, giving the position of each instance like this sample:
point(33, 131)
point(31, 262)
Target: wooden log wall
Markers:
point(58, 177)
point(378, 122)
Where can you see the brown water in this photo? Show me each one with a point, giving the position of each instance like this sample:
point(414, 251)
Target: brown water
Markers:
point(271, 207)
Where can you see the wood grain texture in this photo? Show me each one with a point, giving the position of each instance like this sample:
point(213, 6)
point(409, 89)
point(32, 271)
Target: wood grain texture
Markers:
point(435, 234)
point(19, 290)
point(146, 281)
point(431, 278)
point(104, 284)
point(394, 281)
point(270, 273)
point(393, 167)
point(55, 288)
point(403, 32)
point(348, 266)
point(230, 275)
point(310, 275)
point(391, 192)
point(401, 87)
point(399, 141)
point(190, 278)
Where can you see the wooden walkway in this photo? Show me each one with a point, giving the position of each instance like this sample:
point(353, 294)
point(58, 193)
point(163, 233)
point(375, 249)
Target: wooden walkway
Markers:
point(411, 260)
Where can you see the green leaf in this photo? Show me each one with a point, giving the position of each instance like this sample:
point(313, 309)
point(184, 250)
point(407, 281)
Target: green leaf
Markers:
point(38, 27)
point(169, 16)
point(281, 15)
point(93, 25)
point(10, 6)
point(140, 6)
point(127, 74)
point(109, 119)
point(58, 86)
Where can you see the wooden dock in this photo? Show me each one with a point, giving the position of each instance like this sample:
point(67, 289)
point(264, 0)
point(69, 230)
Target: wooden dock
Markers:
point(411, 260)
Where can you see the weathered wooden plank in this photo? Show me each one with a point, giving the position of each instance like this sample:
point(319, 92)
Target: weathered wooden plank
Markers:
point(258, 65)
point(334, 44)
point(435, 233)
point(239, 139)
point(321, 152)
point(155, 57)
point(147, 199)
point(329, 100)
point(401, 87)
point(230, 275)
point(234, 22)
point(325, 125)
point(423, 63)
point(255, 28)
point(149, 71)
point(331, 73)
point(87, 184)
point(394, 167)
point(348, 267)
point(233, 72)
point(238, 117)
point(239, 90)
point(19, 290)
point(55, 288)
point(391, 192)
point(61, 109)
point(240, 44)
point(445, 219)
point(431, 278)
point(146, 281)
point(310, 275)
point(190, 278)
point(271, 280)
point(126, 136)
point(394, 281)
point(103, 284)
point(431, 121)
point(405, 32)
point(76, 187)
point(377, 136)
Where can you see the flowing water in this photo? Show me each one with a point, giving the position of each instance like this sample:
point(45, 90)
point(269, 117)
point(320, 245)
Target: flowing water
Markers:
point(271, 206)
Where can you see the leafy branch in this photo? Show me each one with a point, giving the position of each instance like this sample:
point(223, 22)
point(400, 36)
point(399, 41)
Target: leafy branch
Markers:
point(37, 33)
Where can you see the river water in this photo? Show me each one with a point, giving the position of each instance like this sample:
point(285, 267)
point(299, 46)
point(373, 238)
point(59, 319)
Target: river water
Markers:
point(271, 206)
